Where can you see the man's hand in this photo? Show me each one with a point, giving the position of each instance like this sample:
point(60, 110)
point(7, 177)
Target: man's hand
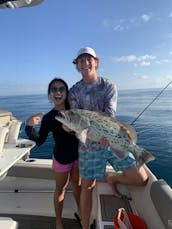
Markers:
point(104, 142)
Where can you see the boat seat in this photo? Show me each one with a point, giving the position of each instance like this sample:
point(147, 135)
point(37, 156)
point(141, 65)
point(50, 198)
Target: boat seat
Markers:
point(32, 169)
point(8, 223)
point(161, 195)
point(5, 117)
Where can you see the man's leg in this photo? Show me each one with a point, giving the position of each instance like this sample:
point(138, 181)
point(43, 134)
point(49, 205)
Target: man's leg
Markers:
point(91, 167)
point(131, 176)
point(86, 201)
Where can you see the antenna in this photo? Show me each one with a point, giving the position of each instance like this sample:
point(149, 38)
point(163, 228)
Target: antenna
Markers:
point(150, 103)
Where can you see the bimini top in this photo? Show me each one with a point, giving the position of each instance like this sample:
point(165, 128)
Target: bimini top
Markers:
point(18, 3)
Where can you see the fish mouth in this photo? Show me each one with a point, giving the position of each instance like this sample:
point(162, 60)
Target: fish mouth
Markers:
point(64, 116)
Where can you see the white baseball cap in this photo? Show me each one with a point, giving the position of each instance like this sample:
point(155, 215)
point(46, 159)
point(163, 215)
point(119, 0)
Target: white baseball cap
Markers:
point(86, 50)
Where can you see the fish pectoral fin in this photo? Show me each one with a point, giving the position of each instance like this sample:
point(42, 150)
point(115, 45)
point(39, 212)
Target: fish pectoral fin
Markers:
point(83, 136)
point(128, 132)
point(118, 153)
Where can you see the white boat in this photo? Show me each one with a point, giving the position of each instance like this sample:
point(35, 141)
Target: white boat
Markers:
point(27, 186)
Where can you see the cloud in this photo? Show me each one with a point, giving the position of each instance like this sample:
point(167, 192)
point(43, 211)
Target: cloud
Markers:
point(144, 77)
point(156, 81)
point(146, 57)
point(141, 76)
point(124, 24)
point(166, 61)
point(129, 58)
point(142, 61)
point(105, 22)
point(146, 17)
point(118, 28)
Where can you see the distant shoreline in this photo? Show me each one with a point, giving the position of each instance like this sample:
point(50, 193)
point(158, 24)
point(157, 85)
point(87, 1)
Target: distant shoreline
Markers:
point(123, 90)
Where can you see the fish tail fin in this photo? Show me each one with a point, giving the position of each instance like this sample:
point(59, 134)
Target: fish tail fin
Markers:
point(145, 158)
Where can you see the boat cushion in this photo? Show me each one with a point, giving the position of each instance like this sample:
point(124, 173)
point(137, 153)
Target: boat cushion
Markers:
point(32, 170)
point(6, 222)
point(161, 195)
point(5, 117)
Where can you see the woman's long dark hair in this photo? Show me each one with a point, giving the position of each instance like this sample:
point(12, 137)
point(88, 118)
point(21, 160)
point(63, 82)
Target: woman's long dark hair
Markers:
point(67, 106)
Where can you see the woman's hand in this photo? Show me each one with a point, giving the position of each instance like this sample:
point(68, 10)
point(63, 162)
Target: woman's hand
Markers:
point(67, 129)
point(34, 119)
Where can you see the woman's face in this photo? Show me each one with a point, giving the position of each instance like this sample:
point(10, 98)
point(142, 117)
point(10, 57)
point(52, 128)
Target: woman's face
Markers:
point(58, 94)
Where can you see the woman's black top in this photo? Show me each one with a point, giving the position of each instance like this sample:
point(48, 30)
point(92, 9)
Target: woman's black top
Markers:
point(66, 144)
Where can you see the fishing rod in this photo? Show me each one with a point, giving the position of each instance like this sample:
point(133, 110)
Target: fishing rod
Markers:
point(150, 103)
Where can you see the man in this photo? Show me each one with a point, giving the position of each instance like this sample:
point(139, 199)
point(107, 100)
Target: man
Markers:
point(98, 94)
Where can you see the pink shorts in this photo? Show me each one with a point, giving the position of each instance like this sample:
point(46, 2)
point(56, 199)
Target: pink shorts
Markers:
point(57, 167)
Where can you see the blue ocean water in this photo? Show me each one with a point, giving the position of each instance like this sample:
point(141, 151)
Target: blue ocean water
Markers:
point(153, 128)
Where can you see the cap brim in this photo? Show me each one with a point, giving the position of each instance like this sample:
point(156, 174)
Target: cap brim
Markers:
point(74, 61)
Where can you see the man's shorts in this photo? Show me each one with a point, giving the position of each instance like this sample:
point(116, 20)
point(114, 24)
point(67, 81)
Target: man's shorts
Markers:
point(92, 165)
point(57, 167)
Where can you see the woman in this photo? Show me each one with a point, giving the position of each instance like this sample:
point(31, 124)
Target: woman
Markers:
point(65, 153)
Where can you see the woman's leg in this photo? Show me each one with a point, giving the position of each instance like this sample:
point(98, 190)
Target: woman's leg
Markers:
point(87, 187)
point(76, 186)
point(62, 180)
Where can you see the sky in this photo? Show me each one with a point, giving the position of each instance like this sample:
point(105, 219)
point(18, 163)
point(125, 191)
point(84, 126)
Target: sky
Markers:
point(133, 40)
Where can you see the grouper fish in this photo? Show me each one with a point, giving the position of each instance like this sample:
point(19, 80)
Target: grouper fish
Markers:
point(94, 125)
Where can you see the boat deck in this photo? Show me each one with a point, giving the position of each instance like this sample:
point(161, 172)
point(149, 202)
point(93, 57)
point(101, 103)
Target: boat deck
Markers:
point(28, 199)
point(108, 205)
point(40, 222)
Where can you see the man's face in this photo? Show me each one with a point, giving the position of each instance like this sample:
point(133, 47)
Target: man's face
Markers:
point(87, 65)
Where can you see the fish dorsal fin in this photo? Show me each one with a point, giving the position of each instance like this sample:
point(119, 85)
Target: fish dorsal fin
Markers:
point(129, 131)
point(82, 136)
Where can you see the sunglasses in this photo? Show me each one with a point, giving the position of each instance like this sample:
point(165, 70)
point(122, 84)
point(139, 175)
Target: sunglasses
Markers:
point(58, 89)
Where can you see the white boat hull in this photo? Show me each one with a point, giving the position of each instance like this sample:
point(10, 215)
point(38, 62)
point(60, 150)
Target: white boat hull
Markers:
point(29, 193)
